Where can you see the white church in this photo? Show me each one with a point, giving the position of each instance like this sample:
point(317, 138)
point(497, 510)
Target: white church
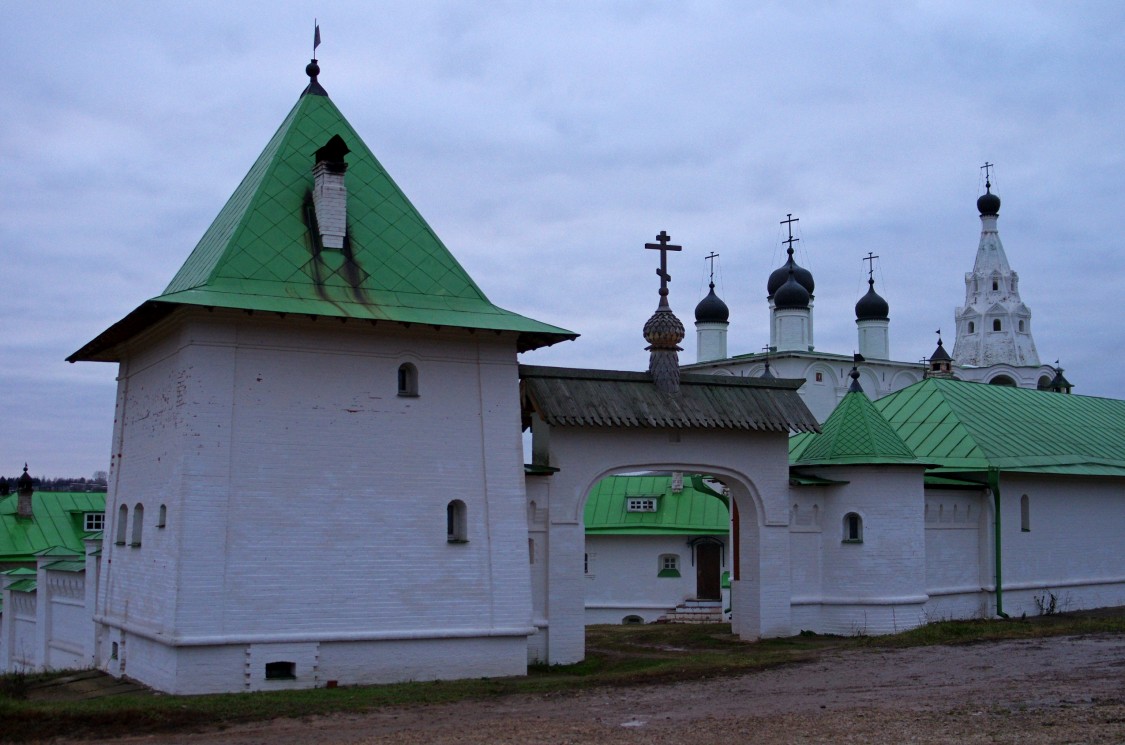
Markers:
point(993, 331)
point(321, 326)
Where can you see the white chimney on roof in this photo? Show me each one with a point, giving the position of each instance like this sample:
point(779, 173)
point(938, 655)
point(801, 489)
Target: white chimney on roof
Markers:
point(330, 196)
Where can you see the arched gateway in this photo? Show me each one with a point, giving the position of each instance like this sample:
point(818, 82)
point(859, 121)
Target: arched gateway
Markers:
point(588, 424)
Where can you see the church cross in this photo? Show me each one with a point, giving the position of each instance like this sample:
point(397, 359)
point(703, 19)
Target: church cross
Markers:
point(987, 181)
point(789, 220)
point(711, 257)
point(870, 259)
point(663, 246)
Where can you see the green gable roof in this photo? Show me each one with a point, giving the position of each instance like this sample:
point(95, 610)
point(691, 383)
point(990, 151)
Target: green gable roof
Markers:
point(697, 510)
point(262, 254)
point(55, 529)
point(964, 426)
point(855, 433)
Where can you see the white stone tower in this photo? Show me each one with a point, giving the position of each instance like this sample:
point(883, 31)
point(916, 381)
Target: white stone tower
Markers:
point(993, 326)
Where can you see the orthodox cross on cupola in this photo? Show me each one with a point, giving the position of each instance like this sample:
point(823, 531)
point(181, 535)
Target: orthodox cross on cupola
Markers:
point(663, 246)
point(788, 222)
point(710, 258)
point(663, 331)
point(870, 259)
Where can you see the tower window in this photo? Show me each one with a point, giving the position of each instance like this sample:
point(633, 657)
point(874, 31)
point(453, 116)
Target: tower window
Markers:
point(407, 380)
point(996, 324)
point(138, 524)
point(995, 285)
point(972, 327)
point(853, 528)
point(162, 518)
point(456, 524)
point(122, 519)
point(1021, 327)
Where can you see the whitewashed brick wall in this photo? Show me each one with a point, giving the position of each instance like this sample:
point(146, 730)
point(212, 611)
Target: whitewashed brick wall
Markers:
point(307, 500)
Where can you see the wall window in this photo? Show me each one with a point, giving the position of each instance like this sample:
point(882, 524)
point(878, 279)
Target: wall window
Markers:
point(585, 563)
point(1025, 514)
point(995, 285)
point(407, 380)
point(93, 522)
point(281, 670)
point(122, 519)
point(455, 522)
point(996, 324)
point(1021, 327)
point(669, 565)
point(972, 327)
point(641, 504)
point(162, 518)
point(853, 528)
point(138, 524)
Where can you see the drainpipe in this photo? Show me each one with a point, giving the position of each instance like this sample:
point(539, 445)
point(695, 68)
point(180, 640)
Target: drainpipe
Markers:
point(994, 487)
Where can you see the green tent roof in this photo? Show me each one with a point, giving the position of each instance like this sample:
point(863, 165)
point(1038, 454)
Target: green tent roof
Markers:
point(697, 510)
point(262, 253)
point(855, 433)
point(57, 524)
point(964, 426)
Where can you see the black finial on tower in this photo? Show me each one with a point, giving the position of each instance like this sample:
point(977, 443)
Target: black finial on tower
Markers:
point(313, 69)
point(767, 373)
point(855, 387)
point(940, 364)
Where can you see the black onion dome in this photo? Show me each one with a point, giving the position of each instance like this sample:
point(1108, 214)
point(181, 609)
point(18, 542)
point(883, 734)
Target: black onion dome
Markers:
point(781, 275)
point(988, 203)
point(792, 294)
point(871, 307)
point(711, 309)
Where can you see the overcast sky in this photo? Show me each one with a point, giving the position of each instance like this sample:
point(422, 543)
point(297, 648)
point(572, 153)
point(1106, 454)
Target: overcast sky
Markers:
point(546, 142)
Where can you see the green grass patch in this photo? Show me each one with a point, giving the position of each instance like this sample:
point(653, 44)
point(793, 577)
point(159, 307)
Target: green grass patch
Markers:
point(616, 656)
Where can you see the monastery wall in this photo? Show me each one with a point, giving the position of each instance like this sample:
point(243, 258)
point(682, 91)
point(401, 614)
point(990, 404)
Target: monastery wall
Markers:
point(1072, 548)
point(874, 585)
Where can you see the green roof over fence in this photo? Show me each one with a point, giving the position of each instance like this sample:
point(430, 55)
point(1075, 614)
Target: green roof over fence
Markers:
point(961, 426)
point(261, 253)
point(697, 510)
point(55, 529)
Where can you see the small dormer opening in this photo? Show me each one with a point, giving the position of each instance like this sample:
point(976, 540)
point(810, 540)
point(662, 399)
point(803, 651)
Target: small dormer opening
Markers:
point(330, 196)
point(281, 670)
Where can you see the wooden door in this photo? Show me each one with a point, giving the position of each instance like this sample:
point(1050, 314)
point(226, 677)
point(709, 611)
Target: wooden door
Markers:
point(708, 571)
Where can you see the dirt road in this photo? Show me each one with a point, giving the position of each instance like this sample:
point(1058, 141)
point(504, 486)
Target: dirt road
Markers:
point(1054, 690)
